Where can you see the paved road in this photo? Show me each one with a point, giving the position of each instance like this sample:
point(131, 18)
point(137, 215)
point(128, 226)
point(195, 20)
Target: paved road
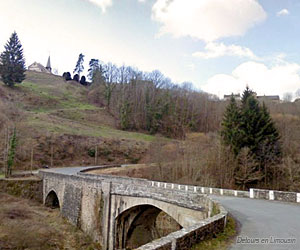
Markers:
point(65, 171)
point(264, 219)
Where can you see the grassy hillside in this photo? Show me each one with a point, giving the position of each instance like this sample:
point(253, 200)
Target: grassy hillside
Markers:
point(56, 118)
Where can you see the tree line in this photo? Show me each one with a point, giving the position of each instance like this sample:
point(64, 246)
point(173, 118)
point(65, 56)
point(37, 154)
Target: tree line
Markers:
point(247, 151)
point(151, 101)
point(148, 101)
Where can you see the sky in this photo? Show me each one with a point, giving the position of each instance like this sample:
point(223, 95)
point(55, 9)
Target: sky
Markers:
point(219, 45)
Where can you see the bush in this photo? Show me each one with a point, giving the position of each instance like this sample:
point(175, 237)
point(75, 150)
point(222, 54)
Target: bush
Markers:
point(76, 77)
point(67, 76)
point(83, 81)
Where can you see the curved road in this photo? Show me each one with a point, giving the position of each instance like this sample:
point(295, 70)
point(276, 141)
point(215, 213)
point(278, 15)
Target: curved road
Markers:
point(261, 219)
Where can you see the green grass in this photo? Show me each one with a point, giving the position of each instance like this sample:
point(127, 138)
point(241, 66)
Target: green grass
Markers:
point(75, 128)
point(2, 175)
point(61, 107)
point(56, 99)
point(222, 241)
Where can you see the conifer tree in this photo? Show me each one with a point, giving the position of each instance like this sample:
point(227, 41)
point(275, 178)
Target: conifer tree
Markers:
point(247, 93)
point(79, 65)
point(12, 62)
point(11, 153)
point(251, 121)
point(94, 66)
point(269, 148)
point(231, 132)
point(251, 127)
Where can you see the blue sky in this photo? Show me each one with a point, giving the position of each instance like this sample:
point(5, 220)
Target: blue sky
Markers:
point(219, 45)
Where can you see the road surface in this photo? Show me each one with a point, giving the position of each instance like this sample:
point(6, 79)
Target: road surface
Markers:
point(264, 221)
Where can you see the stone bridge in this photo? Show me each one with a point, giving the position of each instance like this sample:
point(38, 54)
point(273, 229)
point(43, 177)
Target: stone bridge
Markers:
point(109, 208)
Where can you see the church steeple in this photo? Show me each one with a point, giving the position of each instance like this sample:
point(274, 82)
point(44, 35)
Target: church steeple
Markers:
point(48, 67)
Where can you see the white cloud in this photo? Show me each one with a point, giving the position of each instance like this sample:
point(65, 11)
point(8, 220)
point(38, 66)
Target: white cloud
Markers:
point(283, 12)
point(274, 80)
point(103, 4)
point(207, 20)
point(191, 66)
point(214, 50)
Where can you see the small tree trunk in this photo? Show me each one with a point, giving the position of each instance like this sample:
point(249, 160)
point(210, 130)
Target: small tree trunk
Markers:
point(6, 153)
point(51, 159)
point(31, 160)
point(96, 155)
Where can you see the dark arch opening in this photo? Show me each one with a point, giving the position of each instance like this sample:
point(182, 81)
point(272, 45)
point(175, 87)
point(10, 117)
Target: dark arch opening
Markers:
point(142, 224)
point(52, 200)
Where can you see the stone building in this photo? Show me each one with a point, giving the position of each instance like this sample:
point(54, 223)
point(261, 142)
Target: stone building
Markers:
point(40, 68)
point(235, 96)
point(269, 98)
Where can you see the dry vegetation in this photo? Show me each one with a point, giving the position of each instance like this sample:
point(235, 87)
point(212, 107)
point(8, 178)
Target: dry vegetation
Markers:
point(28, 225)
point(66, 124)
point(200, 159)
point(58, 122)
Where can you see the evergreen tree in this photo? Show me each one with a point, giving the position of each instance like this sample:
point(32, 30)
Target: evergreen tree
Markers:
point(79, 65)
point(251, 127)
point(12, 62)
point(11, 152)
point(247, 93)
point(269, 148)
point(93, 67)
point(67, 76)
point(251, 121)
point(83, 81)
point(231, 133)
point(76, 78)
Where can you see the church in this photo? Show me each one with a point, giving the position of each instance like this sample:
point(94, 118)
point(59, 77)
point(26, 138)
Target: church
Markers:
point(40, 68)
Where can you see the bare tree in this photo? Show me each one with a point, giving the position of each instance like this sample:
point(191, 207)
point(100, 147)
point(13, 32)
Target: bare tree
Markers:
point(287, 97)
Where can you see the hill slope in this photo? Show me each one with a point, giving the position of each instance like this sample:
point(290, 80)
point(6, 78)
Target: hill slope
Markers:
point(55, 118)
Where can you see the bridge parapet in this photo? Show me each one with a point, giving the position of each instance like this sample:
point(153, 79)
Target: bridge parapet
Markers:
point(275, 195)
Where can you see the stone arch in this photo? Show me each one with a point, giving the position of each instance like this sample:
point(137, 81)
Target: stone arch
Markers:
point(140, 220)
point(52, 200)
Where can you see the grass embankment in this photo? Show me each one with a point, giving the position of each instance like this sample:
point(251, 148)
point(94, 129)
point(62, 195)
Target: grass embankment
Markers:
point(222, 240)
point(29, 225)
point(62, 107)
point(57, 120)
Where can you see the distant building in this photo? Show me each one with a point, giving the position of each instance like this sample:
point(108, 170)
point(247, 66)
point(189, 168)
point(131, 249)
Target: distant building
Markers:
point(40, 68)
point(48, 67)
point(236, 97)
point(272, 98)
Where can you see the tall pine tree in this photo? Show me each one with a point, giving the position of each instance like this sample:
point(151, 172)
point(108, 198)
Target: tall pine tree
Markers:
point(79, 65)
point(231, 133)
point(251, 127)
point(94, 66)
point(12, 62)
point(246, 94)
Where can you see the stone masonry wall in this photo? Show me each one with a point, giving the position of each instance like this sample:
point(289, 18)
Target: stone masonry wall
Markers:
point(72, 203)
point(29, 189)
point(275, 195)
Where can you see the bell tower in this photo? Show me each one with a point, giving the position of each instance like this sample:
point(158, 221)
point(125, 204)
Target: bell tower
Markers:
point(48, 67)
